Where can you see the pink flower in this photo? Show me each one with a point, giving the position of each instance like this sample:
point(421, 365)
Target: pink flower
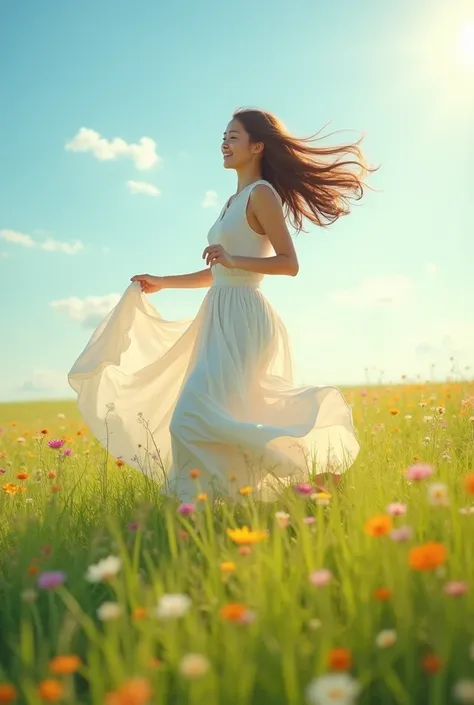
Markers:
point(67, 451)
point(133, 526)
point(309, 520)
point(420, 471)
point(396, 509)
point(51, 579)
point(320, 578)
point(56, 443)
point(401, 533)
point(304, 488)
point(186, 509)
point(455, 588)
point(3, 471)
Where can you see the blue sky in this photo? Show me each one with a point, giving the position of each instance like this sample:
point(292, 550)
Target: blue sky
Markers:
point(388, 288)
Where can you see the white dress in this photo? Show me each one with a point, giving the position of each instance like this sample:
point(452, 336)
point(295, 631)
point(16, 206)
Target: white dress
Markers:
point(215, 393)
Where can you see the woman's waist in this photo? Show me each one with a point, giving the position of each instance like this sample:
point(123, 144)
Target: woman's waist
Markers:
point(223, 276)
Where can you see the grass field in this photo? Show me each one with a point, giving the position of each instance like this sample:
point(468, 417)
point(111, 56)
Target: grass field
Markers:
point(109, 594)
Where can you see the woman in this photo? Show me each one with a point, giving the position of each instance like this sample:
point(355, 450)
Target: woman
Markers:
point(216, 394)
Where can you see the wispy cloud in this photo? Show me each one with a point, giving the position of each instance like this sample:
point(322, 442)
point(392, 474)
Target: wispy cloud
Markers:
point(136, 187)
point(89, 311)
point(143, 153)
point(210, 200)
point(375, 292)
point(49, 245)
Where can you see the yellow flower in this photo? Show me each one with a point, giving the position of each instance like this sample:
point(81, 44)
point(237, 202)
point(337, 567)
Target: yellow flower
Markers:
point(245, 491)
point(246, 537)
point(202, 497)
point(394, 411)
point(227, 567)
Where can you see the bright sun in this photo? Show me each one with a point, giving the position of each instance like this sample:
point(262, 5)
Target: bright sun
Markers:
point(466, 43)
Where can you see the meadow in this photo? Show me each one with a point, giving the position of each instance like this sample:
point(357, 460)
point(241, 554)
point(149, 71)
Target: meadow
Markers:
point(365, 594)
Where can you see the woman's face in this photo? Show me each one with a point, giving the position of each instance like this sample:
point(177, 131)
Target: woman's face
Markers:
point(237, 149)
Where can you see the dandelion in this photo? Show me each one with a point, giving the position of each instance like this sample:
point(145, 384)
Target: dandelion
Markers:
point(431, 663)
point(427, 556)
point(50, 690)
point(186, 509)
point(109, 611)
point(463, 691)
point(320, 578)
point(379, 525)
point(333, 689)
point(386, 638)
point(65, 664)
point(8, 693)
point(173, 606)
point(382, 593)
point(438, 494)
point(419, 471)
point(104, 570)
point(52, 579)
point(194, 666)
point(339, 659)
point(282, 519)
point(246, 537)
point(246, 491)
point(396, 509)
point(401, 534)
point(455, 588)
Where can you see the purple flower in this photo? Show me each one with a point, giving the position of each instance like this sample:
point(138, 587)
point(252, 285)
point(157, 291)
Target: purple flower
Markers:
point(304, 488)
point(401, 533)
point(186, 509)
point(56, 443)
point(51, 579)
point(67, 451)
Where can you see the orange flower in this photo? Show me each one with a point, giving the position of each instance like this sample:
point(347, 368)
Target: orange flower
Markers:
point(50, 690)
point(431, 663)
point(51, 475)
point(65, 664)
point(22, 476)
point(8, 693)
point(245, 550)
point(55, 488)
point(246, 537)
point(154, 663)
point(469, 483)
point(120, 463)
point(379, 525)
point(136, 691)
point(339, 659)
point(394, 411)
point(139, 613)
point(32, 570)
point(194, 474)
point(245, 491)
point(44, 431)
point(428, 556)
point(202, 497)
point(382, 593)
point(233, 612)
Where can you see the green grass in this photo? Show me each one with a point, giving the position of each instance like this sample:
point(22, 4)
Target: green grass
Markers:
point(84, 513)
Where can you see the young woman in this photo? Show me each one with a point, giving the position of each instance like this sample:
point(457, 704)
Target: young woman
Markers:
point(216, 394)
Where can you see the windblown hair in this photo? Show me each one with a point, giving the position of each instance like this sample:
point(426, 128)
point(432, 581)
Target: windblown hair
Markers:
point(314, 182)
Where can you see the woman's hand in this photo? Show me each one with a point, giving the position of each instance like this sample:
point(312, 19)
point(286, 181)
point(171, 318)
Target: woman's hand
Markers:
point(215, 254)
point(148, 283)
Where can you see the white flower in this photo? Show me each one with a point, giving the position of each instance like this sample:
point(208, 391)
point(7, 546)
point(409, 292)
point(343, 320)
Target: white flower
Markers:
point(438, 494)
point(108, 611)
point(427, 419)
point(29, 500)
point(61, 416)
point(408, 417)
point(463, 691)
point(426, 440)
point(446, 457)
point(20, 439)
point(173, 606)
point(441, 410)
point(104, 569)
point(283, 519)
point(422, 404)
point(194, 666)
point(466, 510)
point(333, 689)
point(386, 638)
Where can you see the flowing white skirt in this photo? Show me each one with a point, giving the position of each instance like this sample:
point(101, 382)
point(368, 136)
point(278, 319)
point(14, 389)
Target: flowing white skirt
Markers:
point(214, 394)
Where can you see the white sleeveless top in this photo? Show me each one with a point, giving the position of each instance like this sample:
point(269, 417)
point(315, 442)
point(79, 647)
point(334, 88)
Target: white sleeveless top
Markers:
point(233, 232)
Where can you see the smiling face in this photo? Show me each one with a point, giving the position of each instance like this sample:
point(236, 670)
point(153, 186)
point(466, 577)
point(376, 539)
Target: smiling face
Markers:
point(237, 148)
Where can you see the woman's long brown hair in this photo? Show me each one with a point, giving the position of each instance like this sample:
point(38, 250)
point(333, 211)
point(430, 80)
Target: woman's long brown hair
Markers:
point(314, 182)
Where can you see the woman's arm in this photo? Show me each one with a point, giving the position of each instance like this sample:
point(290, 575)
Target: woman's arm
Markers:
point(195, 280)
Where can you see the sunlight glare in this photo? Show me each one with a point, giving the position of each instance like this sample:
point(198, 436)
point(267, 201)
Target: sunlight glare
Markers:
point(467, 43)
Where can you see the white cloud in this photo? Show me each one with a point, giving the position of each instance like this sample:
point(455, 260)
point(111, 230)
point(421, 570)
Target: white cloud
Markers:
point(143, 154)
point(210, 200)
point(142, 187)
point(89, 311)
point(375, 292)
point(446, 339)
point(49, 245)
point(45, 382)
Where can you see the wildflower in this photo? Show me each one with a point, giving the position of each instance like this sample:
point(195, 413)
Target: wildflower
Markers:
point(382, 593)
point(104, 570)
point(194, 666)
point(333, 689)
point(321, 498)
point(8, 693)
point(401, 533)
point(396, 509)
point(22, 476)
point(32, 570)
point(408, 417)
point(139, 613)
point(44, 431)
point(245, 550)
point(109, 611)
point(463, 691)
point(446, 457)
point(120, 462)
point(304, 488)
point(455, 588)
point(282, 519)
point(65, 664)
point(51, 579)
point(466, 510)
point(379, 525)
point(339, 659)
point(61, 416)
point(419, 471)
point(194, 474)
point(438, 494)
point(233, 612)
point(173, 606)
point(394, 411)
point(21, 440)
point(202, 497)
point(469, 483)
point(186, 509)
point(431, 663)
point(440, 410)
point(55, 489)
point(386, 638)
point(246, 491)
point(309, 520)
point(136, 691)
point(427, 556)
point(50, 690)
point(227, 567)
point(51, 475)
point(320, 578)
point(245, 536)
point(56, 443)
point(67, 452)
